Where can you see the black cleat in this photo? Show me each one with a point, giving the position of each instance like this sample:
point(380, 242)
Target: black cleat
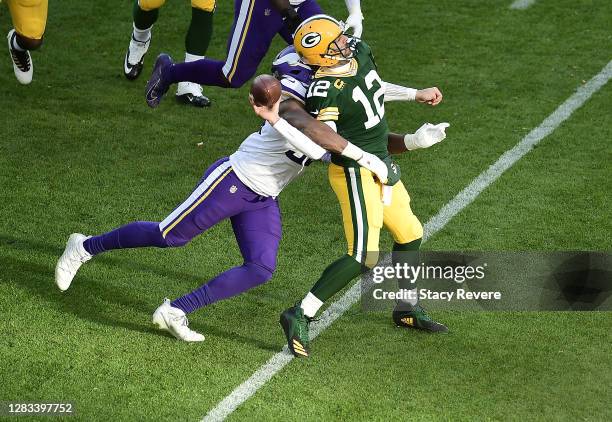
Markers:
point(295, 326)
point(408, 316)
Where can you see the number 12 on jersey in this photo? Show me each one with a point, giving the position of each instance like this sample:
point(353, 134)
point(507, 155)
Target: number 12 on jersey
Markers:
point(359, 96)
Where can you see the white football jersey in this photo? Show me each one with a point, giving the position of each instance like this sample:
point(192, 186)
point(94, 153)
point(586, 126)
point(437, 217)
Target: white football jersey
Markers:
point(265, 161)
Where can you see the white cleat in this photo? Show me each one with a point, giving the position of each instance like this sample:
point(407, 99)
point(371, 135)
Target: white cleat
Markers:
point(191, 93)
point(174, 320)
point(134, 58)
point(71, 260)
point(22, 61)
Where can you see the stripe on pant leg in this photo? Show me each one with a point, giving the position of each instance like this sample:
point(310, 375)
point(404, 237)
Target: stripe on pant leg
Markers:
point(240, 32)
point(359, 216)
point(197, 196)
point(349, 191)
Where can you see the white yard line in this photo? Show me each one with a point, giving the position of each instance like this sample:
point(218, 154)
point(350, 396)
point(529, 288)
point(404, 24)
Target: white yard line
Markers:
point(277, 362)
point(522, 4)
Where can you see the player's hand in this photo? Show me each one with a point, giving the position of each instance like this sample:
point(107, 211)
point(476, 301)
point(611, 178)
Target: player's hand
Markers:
point(375, 165)
point(426, 136)
point(291, 19)
point(393, 171)
point(267, 113)
point(431, 96)
point(354, 22)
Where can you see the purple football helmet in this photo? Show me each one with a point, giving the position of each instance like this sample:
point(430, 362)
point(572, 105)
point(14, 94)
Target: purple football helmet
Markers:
point(288, 62)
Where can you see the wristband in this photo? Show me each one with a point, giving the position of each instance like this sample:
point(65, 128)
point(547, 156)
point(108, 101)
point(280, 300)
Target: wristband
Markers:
point(410, 142)
point(352, 151)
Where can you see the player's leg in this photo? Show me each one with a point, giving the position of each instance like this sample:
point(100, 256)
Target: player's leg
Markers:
point(196, 45)
point(362, 215)
point(258, 233)
point(407, 233)
point(145, 14)
point(256, 22)
point(29, 21)
point(208, 204)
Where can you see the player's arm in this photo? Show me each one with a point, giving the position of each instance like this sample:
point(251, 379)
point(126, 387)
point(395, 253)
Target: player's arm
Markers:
point(355, 17)
point(324, 134)
point(426, 136)
point(320, 133)
point(304, 144)
point(431, 96)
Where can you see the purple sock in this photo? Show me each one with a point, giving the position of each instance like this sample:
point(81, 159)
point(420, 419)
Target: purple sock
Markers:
point(227, 284)
point(134, 235)
point(204, 72)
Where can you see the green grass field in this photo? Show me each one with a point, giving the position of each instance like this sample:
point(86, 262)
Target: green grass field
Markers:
point(81, 152)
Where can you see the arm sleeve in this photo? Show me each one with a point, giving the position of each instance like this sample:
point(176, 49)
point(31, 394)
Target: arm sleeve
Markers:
point(353, 6)
point(298, 140)
point(399, 93)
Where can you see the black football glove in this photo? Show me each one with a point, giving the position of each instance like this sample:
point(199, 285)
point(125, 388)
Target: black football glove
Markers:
point(291, 18)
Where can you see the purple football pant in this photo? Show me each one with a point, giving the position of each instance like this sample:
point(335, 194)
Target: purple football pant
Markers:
point(255, 219)
point(256, 22)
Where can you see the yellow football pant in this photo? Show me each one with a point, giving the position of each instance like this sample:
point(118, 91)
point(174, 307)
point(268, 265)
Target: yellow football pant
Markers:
point(363, 213)
point(205, 5)
point(29, 17)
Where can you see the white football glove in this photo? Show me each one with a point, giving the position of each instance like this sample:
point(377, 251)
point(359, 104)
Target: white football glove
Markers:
point(426, 136)
point(354, 21)
point(375, 165)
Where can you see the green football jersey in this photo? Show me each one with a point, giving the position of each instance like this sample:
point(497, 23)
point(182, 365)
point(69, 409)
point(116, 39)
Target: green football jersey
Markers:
point(354, 101)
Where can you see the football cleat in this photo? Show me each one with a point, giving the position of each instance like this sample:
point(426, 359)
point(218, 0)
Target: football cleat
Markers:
point(71, 260)
point(158, 84)
point(191, 94)
point(134, 58)
point(22, 61)
point(295, 326)
point(408, 316)
point(174, 320)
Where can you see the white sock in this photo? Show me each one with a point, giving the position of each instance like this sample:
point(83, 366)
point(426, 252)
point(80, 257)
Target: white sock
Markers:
point(192, 57)
point(141, 35)
point(414, 301)
point(311, 304)
point(15, 45)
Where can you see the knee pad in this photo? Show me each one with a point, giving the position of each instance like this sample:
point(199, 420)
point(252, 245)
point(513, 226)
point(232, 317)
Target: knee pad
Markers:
point(29, 18)
point(29, 3)
point(259, 273)
point(148, 5)
point(205, 5)
point(236, 82)
point(174, 241)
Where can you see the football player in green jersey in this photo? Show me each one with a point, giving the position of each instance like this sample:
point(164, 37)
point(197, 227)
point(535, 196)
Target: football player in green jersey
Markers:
point(348, 94)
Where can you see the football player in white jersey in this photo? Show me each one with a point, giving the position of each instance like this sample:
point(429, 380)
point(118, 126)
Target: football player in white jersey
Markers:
point(242, 188)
